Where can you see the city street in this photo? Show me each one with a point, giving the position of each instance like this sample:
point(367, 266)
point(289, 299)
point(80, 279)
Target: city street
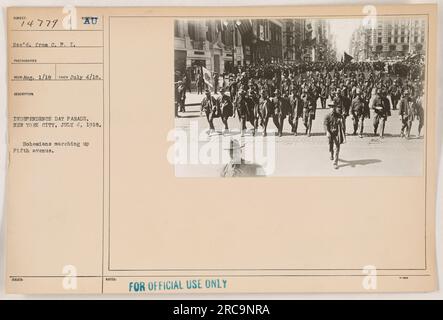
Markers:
point(308, 156)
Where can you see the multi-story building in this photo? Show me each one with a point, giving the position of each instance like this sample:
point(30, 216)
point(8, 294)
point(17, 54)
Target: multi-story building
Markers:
point(393, 38)
point(359, 46)
point(293, 37)
point(207, 43)
point(318, 41)
point(222, 45)
point(265, 41)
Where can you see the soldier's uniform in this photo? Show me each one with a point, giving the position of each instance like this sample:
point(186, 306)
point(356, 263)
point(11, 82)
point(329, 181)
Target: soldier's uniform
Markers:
point(407, 113)
point(323, 95)
point(382, 110)
point(296, 111)
point(358, 112)
point(308, 112)
point(344, 103)
point(281, 108)
point(395, 93)
point(224, 108)
point(209, 106)
point(333, 125)
point(285, 87)
point(252, 101)
point(181, 96)
point(242, 110)
point(233, 90)
point(265, 110)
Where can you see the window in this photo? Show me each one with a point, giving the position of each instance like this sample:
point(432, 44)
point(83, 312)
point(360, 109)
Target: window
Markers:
point(379, 40)
point(389, 40)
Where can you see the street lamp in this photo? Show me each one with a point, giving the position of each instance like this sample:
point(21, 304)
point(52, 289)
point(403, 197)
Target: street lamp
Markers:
point(235, 24)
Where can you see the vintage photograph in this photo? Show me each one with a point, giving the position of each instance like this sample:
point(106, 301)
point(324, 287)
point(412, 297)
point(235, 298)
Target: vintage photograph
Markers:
point(300, 96)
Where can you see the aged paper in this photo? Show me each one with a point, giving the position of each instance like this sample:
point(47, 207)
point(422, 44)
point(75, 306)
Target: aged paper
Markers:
point(124, 155)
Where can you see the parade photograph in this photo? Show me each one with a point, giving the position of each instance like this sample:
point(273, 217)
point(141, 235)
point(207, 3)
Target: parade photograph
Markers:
point(300, 96)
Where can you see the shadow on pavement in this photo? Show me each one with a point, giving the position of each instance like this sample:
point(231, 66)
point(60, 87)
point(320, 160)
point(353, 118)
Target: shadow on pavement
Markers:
point(354, 163)
point(188, 116)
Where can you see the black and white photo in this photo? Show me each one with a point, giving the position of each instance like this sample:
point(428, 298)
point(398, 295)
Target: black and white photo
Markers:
point(328, 96)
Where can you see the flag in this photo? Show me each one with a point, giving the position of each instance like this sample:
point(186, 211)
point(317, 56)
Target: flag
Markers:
point(347, 57)
point(207, 76)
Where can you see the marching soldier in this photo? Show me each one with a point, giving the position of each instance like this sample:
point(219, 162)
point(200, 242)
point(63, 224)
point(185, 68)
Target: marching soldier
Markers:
point(406, 114)
point(308, 111)
point(233, 89)
point(181, 96)
point(209, 106)
point(281, 108)
point(323, 95)
point(224, 108)
point(296, 110)
point(346, 105)
point(382, 111)
point(395, 93)
point(358, 112)
point(252, 102)
point(242, 110)
point(333, 125)
point(265, 110)
point(200, 83)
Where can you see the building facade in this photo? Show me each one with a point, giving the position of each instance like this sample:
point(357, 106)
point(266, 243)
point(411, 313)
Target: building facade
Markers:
point(213, 44)
point(263, 40)
point(223, 45)
point(360, 44)
point(394, 38)
point(292, 39)
point(317, 44)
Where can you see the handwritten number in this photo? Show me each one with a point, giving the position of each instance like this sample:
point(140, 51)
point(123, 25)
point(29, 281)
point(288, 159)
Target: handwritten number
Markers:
point(48, 23)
